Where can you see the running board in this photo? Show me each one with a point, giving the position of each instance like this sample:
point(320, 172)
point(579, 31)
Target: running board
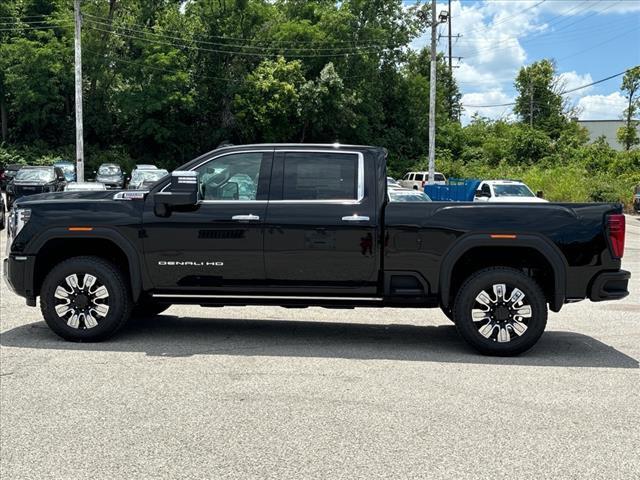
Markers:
point(277, 300)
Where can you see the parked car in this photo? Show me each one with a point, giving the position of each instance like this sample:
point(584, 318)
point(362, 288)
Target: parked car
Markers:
point(406, 195)
point(84, 186)
point(636, 199)
point(417, 180)
point(69, 170)
point(506, 191)
point(142, 179)
point(33, 180)
point(2, 214)
point(111, 175)
point(7, 175)
point(315, 230)
point(393, 183)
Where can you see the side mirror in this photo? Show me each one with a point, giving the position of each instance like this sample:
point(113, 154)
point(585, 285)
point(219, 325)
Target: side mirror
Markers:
point(540, 194)
point(183, 191)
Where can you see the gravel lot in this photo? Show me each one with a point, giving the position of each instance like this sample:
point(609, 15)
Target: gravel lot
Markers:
point(275, 393)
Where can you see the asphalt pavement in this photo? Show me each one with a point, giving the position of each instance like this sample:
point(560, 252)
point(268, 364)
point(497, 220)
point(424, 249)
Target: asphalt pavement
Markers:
point(257, 393)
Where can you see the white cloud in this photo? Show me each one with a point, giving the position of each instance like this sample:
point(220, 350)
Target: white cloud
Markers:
point(602, 107)
point(496, 35)
point(578, 7)
point(473, 104)
point(571, 80)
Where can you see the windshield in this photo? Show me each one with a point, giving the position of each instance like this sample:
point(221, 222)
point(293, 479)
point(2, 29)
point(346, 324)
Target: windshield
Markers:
point(139, 176)
point(35, 175)
point(408, 196)
point(109, 170)
point(517, 190)
point(66, 167)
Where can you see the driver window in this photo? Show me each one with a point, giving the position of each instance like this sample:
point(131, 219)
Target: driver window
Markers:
point(231, 177)
point(486, 190)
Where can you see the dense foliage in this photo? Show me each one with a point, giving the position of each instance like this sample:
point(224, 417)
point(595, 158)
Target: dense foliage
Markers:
point(167, 80)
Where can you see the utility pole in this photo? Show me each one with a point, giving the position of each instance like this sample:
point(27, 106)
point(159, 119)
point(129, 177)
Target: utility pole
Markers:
point(444, 16)
point(450, 57)
point(531, 105)
point(432, 96)
point(78, 81)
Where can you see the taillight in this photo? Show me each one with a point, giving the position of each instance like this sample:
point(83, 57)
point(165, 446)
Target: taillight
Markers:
point(423, 182)
point(616, 228)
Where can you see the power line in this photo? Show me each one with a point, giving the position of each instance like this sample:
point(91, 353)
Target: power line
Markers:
point(220, 44)
point(562, 93)
point(144, 29)
point(47, 27)
point(509, 41)
point(635, 29)
point(231, 52)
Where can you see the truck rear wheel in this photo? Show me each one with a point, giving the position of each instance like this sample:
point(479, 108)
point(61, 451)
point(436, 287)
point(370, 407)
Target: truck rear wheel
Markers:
point(85, 299)
point(500, 311)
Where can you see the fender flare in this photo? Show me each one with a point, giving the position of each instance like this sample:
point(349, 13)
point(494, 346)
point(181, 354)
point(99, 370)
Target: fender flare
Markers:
point(542, 245)
point(102, 233)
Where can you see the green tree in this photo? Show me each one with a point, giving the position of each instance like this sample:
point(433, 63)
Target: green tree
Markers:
point(268, 108)
point(539, 103)
point(628, 135)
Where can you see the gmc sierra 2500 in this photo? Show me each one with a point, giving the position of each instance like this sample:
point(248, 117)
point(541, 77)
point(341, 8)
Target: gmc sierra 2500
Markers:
point(308, 225)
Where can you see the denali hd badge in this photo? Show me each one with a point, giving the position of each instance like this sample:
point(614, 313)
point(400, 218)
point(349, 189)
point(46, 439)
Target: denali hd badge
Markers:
point(173, 263)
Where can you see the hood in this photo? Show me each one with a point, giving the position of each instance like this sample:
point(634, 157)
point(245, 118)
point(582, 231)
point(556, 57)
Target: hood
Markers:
point(31, 183)
point(99, 195)
point(110, 177)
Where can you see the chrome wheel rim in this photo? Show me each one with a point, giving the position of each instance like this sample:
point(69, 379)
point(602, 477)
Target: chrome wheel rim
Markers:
point(82, 303)
point(502, 315)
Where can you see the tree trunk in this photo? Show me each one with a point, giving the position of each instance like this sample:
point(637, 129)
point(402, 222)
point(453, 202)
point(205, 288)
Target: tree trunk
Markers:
point(627, 138)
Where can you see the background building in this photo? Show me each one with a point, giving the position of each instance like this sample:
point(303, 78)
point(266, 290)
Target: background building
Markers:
point(608, 128)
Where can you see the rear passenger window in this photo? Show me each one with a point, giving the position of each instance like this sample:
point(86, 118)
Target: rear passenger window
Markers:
point(320, 176)
point(419, 177)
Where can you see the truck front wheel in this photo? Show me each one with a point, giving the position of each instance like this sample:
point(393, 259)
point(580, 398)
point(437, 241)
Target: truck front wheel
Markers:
point(85, 299)
point(500, 311)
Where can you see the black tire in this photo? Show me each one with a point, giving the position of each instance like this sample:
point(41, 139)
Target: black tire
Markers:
point(500, 315)
point(106, 275)
point(148, 308)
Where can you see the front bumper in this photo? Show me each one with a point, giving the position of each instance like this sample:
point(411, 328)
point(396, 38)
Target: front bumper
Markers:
point(18, 275)
point(610, 286)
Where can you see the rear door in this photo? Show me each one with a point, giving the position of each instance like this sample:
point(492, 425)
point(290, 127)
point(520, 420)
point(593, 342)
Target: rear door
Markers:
point(320, 232)
point(218, 245)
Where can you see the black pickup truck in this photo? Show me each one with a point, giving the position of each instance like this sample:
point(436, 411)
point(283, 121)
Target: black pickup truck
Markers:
point(308, 225)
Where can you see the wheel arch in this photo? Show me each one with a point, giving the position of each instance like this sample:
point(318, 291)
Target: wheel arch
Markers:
point(514, 244)
point(58, 244)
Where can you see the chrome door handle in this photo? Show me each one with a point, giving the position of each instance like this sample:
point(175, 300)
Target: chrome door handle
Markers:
point(246, 218)
point(355, 218)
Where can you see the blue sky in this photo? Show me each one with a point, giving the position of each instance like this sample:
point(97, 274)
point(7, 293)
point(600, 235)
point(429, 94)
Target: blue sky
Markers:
point(589, 40)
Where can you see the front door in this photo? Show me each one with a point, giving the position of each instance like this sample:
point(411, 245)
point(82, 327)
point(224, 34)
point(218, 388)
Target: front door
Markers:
point(218, 245)
point(320, 232)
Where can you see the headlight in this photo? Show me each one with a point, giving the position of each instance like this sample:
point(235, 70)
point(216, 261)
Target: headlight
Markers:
point(18, 218)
